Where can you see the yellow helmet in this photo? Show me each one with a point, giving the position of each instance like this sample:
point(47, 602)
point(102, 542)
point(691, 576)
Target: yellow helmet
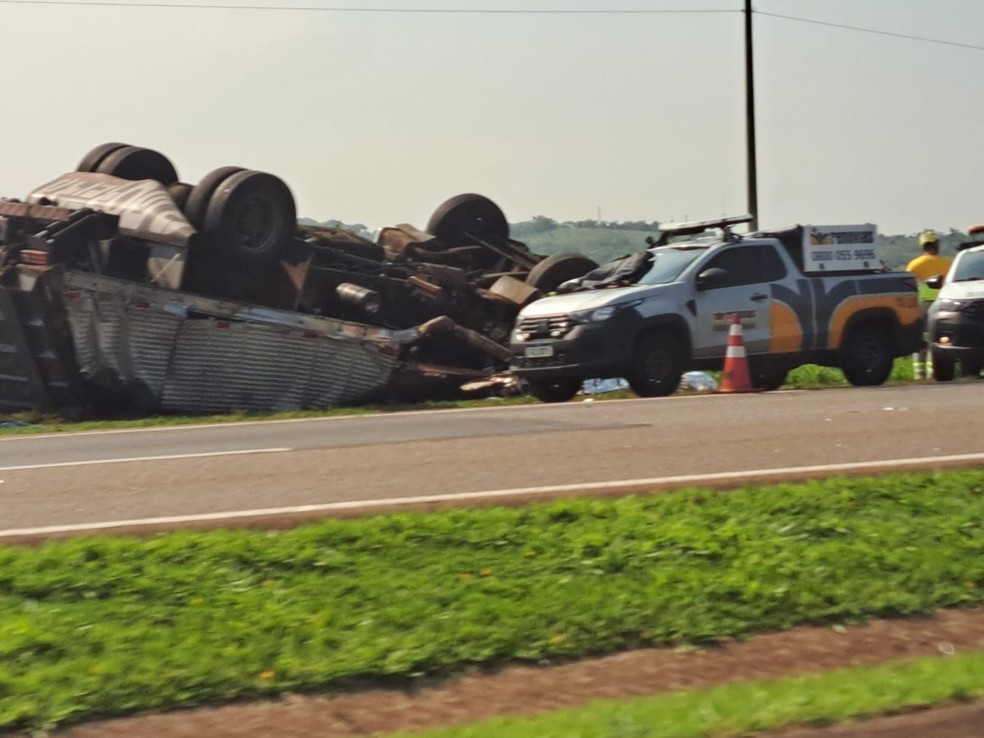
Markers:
point(928, 236)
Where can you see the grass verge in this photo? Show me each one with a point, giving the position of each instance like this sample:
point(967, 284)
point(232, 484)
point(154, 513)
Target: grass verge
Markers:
point(116, 625)
point(736, 710)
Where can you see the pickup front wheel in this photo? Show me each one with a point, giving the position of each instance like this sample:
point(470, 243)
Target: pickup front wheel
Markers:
point(554, 390)
point(657, 365)
point(867, 356)
point(767, 377)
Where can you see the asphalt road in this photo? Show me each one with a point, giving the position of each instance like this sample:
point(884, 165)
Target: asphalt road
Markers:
point(101, 477)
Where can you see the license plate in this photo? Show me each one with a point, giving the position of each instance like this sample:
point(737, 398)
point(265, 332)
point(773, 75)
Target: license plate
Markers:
point(538, 352)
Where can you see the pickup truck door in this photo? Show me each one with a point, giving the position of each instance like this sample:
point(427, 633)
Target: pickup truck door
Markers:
point(744, 288)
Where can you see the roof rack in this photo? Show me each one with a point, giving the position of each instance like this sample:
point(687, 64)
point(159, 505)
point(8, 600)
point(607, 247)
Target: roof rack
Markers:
point(700, 226)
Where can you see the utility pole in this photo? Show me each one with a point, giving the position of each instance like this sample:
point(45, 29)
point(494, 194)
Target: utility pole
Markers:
point(750, 120)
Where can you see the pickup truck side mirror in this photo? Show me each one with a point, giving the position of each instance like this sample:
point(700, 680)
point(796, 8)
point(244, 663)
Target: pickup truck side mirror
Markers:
point(935, 282)
point(711, 278)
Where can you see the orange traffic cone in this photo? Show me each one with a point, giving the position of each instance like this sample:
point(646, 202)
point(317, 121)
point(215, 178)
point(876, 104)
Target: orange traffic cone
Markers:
point(736, 377)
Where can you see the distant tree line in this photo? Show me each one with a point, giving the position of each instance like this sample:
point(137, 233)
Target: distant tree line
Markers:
point(598, 238)
point(897, 251)
point(540, 224)
point(606, 240)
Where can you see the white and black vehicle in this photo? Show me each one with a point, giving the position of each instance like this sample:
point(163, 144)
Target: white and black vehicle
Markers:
point(807, 294)
point(956, 318)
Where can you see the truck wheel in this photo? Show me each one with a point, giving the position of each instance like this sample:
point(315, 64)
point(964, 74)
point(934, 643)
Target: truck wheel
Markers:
point(94, 158)
point(866, 358)
point(200, 195)
point(943, 370)
point(657, 365)
point(462, 219)
point(765, 377)
point(252, 215)
point(554, 390)
point(549, 274)
point(133, 162)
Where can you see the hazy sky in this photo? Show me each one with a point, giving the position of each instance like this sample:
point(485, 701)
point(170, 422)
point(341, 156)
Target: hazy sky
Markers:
point(378, 117)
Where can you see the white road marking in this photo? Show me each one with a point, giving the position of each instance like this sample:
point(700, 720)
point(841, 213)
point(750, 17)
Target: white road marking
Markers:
point(721, 479)
point(94, 462)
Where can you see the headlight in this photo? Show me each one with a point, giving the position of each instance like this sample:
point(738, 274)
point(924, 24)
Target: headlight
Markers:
point(594, 316)
point(599, 315)
point(948, 306)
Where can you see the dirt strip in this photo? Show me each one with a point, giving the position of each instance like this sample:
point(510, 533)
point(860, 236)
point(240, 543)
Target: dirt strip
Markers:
point(533, 690)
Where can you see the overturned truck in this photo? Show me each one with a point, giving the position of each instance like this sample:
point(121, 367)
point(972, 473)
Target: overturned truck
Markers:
point(124, 289)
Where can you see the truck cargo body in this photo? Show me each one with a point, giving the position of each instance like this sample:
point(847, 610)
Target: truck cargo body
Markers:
point(80, 341)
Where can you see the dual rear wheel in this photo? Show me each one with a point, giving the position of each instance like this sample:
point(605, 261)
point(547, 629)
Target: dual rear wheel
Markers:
point(245, 214)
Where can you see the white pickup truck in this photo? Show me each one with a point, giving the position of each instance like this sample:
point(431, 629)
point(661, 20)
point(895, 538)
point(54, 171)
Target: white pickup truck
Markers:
point(806, 294)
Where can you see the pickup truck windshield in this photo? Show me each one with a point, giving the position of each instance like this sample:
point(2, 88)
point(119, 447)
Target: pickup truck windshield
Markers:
point(669, 262)
point(969, 267)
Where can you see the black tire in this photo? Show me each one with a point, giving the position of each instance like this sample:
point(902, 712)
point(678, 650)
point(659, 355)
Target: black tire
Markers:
point(133, 162)
point(866, 357)
point(943, 370)
point(657, 365)
point(767, 377)
point(94, 158)
point(251, 215)
point(554, 390)
point(970, 369)
point(465, 218)
point(548, 274)
point(201, 194)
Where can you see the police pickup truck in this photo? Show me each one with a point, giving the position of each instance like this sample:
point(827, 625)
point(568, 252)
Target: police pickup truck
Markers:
point(806, 294)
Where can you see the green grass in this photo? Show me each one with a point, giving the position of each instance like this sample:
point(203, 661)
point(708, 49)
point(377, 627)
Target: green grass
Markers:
point(116, 625)
point(736, 710)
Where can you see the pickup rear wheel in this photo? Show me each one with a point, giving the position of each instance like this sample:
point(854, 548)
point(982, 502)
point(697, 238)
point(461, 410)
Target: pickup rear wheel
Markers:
point(554, 390)
point(657, 365)
point(866, 358)
point(765, 377)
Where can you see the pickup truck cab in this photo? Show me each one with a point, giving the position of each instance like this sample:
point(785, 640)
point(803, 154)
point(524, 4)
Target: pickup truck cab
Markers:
point(807, 294)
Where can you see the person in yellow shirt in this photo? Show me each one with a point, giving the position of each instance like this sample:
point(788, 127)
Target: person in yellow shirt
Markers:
point(928, 264)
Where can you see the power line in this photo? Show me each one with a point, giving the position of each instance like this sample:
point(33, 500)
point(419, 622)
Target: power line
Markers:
point(906, 36)
point(339, 9)
point(486, 11)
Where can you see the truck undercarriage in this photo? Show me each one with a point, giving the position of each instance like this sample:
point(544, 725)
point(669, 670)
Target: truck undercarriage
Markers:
point(123, 289)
